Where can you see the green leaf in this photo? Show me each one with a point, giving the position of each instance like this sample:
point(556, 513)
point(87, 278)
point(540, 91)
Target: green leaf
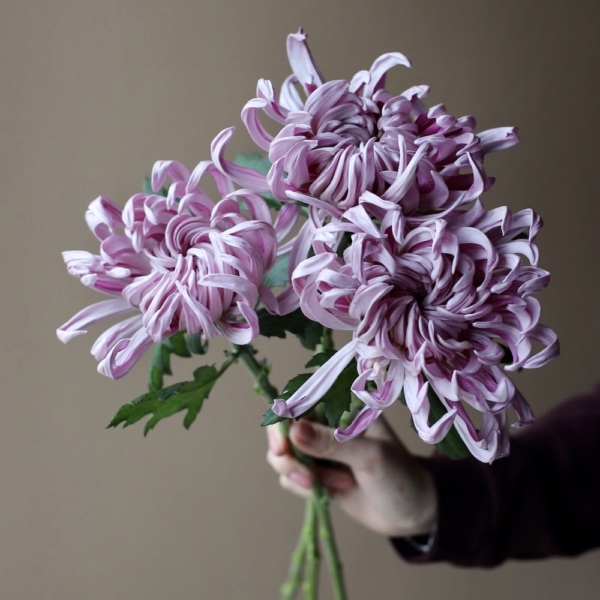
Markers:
point(338, 398)
point(274, 325)
point(177, 344)
point(356, 405)
point(294, 384)
point(261, 164)
point(160, 365)
point(180, 344)
point(270, 418)
point(318, 360)
point(308, 332)
point(278, 275)
point(452, 444)
point(195, 343)
point(256, 161)
point(334, 403)
point(162, 403)
point(147, 188)
point(344, 243)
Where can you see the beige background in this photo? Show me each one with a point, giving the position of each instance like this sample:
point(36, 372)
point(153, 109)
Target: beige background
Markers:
point(92, 93)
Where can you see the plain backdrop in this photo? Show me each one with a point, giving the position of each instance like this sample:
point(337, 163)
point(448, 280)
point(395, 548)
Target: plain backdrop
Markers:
point(91, 94)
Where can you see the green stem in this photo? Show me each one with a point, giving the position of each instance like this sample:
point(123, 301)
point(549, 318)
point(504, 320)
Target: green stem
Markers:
point(258, 371)
point(317, 517)
point(292, 584)
point(311, 542)
point(321, 500)
point(228, 362)
point(326, 339)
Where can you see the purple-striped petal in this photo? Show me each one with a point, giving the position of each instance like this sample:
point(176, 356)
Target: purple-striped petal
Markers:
point(308, 394)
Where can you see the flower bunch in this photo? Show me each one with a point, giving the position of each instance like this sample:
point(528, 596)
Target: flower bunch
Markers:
point(399, 249)
point(366, 216)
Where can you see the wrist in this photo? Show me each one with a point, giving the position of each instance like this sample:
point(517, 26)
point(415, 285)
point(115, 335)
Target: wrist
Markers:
point(423, 520)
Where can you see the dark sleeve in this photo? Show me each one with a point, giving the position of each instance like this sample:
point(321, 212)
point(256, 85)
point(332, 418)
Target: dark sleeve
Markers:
point(540, 501)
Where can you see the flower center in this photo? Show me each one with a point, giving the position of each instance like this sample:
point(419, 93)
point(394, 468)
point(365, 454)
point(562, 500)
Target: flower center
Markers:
point(355, 125)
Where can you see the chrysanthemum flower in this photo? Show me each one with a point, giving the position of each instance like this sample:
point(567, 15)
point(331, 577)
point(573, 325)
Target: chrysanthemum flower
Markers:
point(178, 263)
point(441, 304)
point(347, 137)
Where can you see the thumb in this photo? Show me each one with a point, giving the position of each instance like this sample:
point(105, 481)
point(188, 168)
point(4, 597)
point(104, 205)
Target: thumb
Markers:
point(318, 441)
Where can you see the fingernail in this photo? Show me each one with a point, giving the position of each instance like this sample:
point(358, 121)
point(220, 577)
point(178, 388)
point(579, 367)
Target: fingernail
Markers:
point(301, 479)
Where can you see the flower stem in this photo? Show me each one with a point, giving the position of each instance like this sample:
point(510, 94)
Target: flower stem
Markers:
point(292, 584)
point(257, 370)
point(317, 520)
point(321, 500)
point(311, 541)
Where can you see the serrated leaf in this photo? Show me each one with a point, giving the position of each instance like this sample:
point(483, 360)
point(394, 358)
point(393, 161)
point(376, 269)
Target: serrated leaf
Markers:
point(338, 398)
point(160, 366)
point(308, 332)
point(452, 445)
point(177, 344)
point(278, 275)
point(334, 403)
point(187, 395)
point(196, 344)
point(270, 418)
point(181, 344)
point(317, 360)
point(273, 325)
point(294, 384)
point(356, 405)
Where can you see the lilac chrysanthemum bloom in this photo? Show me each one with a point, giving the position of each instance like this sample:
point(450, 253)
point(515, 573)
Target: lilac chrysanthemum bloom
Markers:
point(438, 305)
point(349, 137)
point(180, 263)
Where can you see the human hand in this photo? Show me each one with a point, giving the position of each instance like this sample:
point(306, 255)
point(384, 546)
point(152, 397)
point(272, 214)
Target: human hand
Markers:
point(376, 481)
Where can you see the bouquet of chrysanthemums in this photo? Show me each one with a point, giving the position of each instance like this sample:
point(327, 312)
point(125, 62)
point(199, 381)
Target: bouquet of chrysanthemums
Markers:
point(364, 214)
